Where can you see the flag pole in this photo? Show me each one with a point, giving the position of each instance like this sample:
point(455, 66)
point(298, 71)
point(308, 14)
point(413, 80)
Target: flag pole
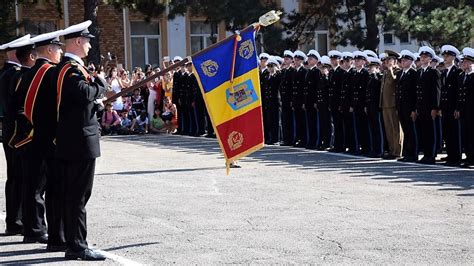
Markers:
point(265, 20)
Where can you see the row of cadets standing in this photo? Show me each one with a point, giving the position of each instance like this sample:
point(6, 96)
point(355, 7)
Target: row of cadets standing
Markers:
point(56, 138)
point(13, 186)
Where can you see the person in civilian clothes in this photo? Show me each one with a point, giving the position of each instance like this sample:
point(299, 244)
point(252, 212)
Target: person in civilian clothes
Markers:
point(286, 94)
point(466, 104)
point(272, 107)
point(77, 138)
point(372, 109)
point(310, 94)
point(427, 105)
point(297, 101)
point(337, 76)
point(448, 102)
point(13, 188)
point(322, 104)
point(406, 104)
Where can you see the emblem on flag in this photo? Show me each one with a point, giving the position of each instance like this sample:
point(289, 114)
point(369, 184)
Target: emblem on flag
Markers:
point(235, 140)
point(246, 49)
point(209, 68)
point(241, 95)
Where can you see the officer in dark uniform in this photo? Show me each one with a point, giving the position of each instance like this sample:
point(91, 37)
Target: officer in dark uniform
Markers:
point(372, 108)
point(358, 82)
point(13, 194)
point(176, 94)
point(466, 104)
point(448, 102)
point(311, 94)
point(427, 105)
point(271, 109)
point(38, 94)
point(405, 90)
point(77, 137)
point(337, 79)
point(263, 75)
point(186, 101)
point(298, 99)
point(322, 104)
point(197, 102)
point(286, 94)
point(350, 142)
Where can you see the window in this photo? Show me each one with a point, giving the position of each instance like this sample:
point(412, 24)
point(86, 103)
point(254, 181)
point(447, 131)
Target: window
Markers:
point(202, 35)
point(404, 38)
point(145, 40)
point(319, 42)
point(388, 38)
point(39, 27)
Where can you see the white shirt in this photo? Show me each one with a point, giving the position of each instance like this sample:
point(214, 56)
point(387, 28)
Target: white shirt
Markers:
point(75, 57)
point(449, 70)
point(14, 63)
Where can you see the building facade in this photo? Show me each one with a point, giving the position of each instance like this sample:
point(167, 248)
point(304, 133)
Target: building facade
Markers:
point(134, 42)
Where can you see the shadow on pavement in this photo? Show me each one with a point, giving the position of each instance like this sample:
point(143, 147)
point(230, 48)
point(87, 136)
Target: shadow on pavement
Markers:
point(446, 178)
point(33, 261)
point(132, 246)
point(21, 252)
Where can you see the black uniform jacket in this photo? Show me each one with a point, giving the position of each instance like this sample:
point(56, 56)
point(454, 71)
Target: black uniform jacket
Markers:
point(405, 90)
point(77, 135)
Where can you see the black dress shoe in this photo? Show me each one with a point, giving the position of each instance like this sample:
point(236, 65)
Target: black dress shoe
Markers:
point(410, 159)
point(427, 160)
point(453, 163)
point(389, 157)
point(466, 165)
point(56, 248)
point(445, 159)
point(86, 254)
point(403, 159)
point(36, 239)
point(12, 232)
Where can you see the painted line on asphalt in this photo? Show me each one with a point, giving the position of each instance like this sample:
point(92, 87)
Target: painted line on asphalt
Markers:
point(116, 258)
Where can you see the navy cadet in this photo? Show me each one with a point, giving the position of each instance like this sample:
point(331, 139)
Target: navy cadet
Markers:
point(297, 101)
point(405, 92)
point(310, 93)
point(286, 94)
point(77, 137)
point(13, 199)
point(263, 75)
point(359, 81)
point(322, 104)
point(176, 94)
point(270, 97)
point(337, 77)
point(427, 105)
point(197, 102)
point(39, 97)
point(448, 103)
point(345, 103)
point(372, 108)
point(465, 108)
point(186, 100)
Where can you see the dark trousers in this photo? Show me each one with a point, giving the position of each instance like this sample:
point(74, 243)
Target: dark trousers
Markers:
point(300, 126)
point(180, 118)
point(199, 117)
point(468, 133)
point(54, 204)
point(452, 136)
point(362, 131)
point(325, 127)
point(192, 125)
point(78, 178)
point(287, 124)
point(13, 189)
point(34, 184)
point(209, 127)
point(312, 127)
point(271, 124)
point(428, 136)
point(338, 122)
point(410, 134)
point(376, 132)
point(350, 136)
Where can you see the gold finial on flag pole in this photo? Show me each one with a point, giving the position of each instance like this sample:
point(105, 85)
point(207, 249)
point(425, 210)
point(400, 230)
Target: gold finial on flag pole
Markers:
point(269, 18)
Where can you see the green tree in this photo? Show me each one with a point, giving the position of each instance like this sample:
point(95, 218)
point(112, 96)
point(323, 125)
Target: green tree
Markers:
point(436, 22)
point(344, 19)
point(90, 13)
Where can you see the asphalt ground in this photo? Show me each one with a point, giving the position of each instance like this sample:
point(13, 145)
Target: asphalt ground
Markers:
point(166, 199)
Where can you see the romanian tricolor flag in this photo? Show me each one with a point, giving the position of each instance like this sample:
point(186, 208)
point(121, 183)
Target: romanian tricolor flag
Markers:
point(228, 75)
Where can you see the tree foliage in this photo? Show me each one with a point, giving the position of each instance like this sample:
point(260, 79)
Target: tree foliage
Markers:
point(436, 22)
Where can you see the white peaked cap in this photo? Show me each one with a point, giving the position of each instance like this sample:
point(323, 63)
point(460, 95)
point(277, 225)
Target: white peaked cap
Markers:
point(325, 60)
point(5, 46)
point(264, 55)
point(314, 53)
point(370, 53)
point(374, 60)
point(334, 53)
point(407, 55)
point(426, 50)
point(449, 49)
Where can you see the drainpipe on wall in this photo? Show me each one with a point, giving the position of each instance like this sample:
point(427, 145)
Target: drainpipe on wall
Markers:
point(17, 17)
point(66, 13)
